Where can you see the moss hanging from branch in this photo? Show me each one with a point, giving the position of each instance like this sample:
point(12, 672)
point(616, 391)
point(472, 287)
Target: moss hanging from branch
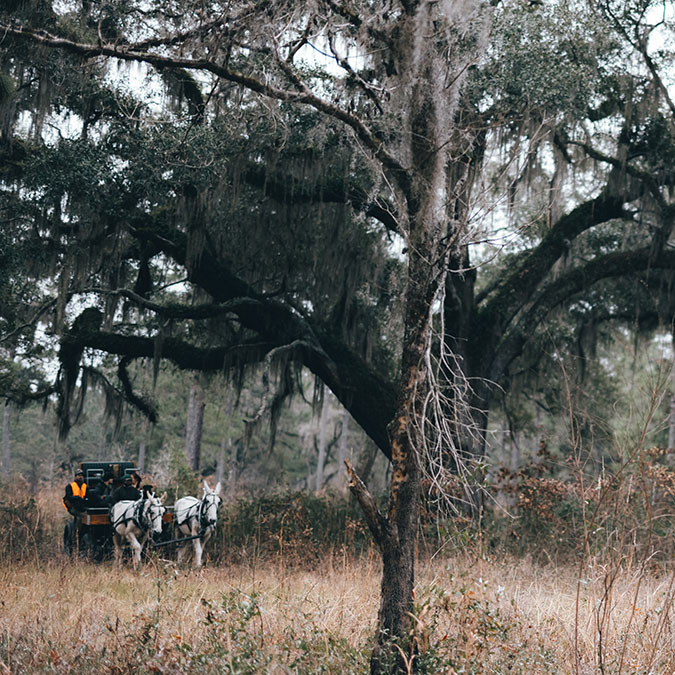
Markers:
point(70, 356)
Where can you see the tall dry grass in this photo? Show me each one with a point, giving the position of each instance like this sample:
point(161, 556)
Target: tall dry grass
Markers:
point(473, 616)
point(285, 592)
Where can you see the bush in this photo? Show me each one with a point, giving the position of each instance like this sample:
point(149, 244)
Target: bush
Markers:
point(24, 531)
point(559, 520)
point(296, 527)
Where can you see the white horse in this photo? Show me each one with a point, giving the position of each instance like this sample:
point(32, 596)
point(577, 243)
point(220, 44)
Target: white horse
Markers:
point(197, 518)
point(134, 521)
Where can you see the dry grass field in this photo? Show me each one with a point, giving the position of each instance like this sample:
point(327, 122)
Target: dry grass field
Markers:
point(283, 610)
point(474, 616)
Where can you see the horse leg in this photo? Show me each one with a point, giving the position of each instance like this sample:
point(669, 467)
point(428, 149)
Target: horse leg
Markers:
point(182, 548)
point(137, 548)
point(198, 552)
point(202, 544)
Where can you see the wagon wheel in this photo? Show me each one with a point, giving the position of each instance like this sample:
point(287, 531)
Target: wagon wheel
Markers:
point(107, 548)
point(101, 547)
point(87, 545)
point(68, 538)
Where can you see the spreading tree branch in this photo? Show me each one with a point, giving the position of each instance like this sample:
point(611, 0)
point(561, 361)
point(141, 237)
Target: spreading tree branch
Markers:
point(283, 187)
point(302, 95)
point(565, 288)
point(520, 285)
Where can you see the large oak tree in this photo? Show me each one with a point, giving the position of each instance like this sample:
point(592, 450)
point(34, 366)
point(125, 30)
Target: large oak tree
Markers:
point(279, 184)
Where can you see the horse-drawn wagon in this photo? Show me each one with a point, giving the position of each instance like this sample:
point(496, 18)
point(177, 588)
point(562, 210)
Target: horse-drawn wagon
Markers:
point(92, 535)
point(102, 529)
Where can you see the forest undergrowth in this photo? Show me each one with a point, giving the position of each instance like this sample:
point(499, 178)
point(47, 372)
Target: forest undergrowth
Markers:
point(291, 585)
point(473, 616)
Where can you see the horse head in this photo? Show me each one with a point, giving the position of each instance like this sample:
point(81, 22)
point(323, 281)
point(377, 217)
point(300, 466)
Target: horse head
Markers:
point(154, 510)
point(210, 503)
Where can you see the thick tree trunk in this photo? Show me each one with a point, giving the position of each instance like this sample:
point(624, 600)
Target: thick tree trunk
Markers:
point(5, 439)
point(671, 421)
point(342, 448)
point(398, 547)
point(321, 459)
point(220, 462)
point(193, 429)
point(396, 534)
point(428, 117)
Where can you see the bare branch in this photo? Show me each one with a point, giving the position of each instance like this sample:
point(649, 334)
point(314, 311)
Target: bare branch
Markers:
point(446, 425)
point(31, 322)
point(343, 63)
point(377, 523)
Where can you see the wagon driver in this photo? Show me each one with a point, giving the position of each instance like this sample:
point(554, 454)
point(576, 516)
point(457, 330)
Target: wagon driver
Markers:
point(74, 499)
point(126, 491)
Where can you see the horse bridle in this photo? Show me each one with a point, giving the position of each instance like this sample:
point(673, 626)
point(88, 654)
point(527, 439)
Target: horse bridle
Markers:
point(151, 518)
point(204, 524)
point(201, 507)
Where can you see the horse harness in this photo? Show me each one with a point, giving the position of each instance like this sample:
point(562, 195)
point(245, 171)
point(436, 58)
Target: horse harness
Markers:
point(201, 506)
point(137, 517)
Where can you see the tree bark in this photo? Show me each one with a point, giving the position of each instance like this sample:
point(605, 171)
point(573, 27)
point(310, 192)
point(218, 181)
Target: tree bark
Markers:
point(6, 449)
point(321, 459)
point(342, 448)
point(193, 429)
point(671, 420)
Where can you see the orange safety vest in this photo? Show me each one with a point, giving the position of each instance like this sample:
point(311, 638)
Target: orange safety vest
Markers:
point(78, 491)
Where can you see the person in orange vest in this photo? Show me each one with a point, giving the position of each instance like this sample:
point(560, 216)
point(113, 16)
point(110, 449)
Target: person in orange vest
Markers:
point(75, 497)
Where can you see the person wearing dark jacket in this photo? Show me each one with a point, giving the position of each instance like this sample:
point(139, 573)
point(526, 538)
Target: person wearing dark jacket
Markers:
point(125, 491)
point(76, 492)
point(75, 502)
point(101, 495)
